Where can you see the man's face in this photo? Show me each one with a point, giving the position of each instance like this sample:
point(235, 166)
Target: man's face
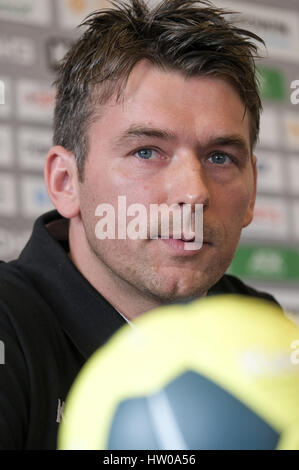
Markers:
point(171, 140)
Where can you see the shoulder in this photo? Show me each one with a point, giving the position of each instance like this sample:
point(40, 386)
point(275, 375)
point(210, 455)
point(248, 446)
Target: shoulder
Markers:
point(16, 290)
point(26, 315)
point(38, 367)
point(14, 378)
point(230, 284)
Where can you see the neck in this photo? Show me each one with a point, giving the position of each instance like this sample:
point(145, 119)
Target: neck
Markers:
point(120, 294)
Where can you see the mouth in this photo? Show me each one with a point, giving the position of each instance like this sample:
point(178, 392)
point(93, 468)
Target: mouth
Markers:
point(180, 246)
point(183, 238)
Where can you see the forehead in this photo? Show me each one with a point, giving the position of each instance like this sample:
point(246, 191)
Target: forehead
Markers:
point(200, 105)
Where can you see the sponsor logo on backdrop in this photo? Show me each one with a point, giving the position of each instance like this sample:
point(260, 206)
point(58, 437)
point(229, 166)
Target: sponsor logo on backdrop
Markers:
point(26, 11)
point(35, 100)
point(56, 48)
point(35, 199)
point(33, 146)
point(266, 262)
point(5, 146)
point(295, 219)
point(270, 172)
point(295, 93)
point(291, 127)
point(293, 176)
point(272, 84)
point(278, 28)
point(72, 12)
point(17, 50)
point(8, 205)
point(5, 97)
point(270, 220)
point(12, 242)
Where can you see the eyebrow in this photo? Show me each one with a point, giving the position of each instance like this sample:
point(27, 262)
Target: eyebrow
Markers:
point(142, 131)
point(138, 131)
point(235, 140)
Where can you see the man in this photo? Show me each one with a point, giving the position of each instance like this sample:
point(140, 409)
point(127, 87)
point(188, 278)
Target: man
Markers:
point(160, 107)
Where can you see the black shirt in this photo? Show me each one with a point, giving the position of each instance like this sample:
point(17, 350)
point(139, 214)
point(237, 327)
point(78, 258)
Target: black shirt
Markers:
point(51, 321)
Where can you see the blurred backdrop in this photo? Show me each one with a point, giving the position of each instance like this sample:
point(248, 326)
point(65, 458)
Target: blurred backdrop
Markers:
point(34, 36)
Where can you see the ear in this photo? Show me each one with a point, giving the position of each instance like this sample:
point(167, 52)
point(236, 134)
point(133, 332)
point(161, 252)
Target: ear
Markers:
point(250, 211)
point(61, 177)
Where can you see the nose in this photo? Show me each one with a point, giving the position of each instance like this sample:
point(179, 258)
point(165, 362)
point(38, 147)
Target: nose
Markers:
point(188, 183)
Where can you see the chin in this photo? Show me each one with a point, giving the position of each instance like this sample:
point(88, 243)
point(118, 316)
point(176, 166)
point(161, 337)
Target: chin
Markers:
point(179, 290)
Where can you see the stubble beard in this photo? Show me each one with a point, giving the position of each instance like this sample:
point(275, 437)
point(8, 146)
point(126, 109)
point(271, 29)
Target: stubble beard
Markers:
point(147, 279)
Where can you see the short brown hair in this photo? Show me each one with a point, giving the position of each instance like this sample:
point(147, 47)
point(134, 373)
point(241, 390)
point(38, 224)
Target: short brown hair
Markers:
point(189, 36)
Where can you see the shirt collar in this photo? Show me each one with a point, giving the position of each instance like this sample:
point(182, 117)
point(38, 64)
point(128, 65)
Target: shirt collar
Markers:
point(85, 315)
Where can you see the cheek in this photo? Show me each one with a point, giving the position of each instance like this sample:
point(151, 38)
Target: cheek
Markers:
point(99, 187)
point(232, 202)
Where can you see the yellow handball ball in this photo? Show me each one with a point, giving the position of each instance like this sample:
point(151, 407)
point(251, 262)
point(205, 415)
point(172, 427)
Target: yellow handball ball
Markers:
point(216, 373)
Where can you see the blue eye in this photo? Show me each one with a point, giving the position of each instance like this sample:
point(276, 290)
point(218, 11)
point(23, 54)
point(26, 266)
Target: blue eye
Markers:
point(148, 154)
point(220, 158)
point(145, 154)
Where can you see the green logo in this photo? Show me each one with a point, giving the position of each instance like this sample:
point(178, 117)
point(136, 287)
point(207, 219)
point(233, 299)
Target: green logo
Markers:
point(272, 84)
point(266, 263)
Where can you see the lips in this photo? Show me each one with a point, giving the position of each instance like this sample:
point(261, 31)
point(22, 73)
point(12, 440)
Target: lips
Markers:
point(182, 237)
